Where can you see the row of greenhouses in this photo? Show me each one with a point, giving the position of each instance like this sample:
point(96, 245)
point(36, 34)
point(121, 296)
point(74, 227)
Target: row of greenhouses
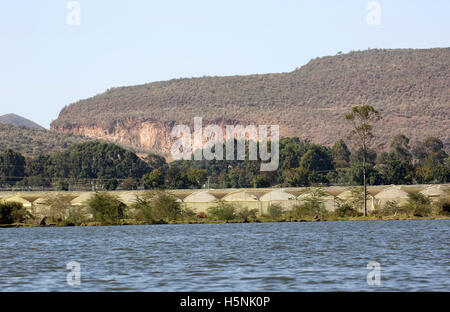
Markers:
point(259, 199)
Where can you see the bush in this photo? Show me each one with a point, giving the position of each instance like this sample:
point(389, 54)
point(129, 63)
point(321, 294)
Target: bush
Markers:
point(111, 184)
point(259, 181)
point(346, 210)
point(59, 207)
point(443, 206)
point(351, 206)
point(246, 214)
point(76, 216)
point(418, 205)
point(275, 210)
point(106, 208)
point(308, 210)
point(12, 212)
point(312, 205)
point(390, 208)
point(188, 213)
point(446, 207)
point(158, 205)
point(223, 211)
point(61, 186)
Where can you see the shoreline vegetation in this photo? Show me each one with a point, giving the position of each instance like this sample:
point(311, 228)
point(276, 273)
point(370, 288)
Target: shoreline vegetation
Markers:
point(261, 220)
point(161, 207)
point(208, 221)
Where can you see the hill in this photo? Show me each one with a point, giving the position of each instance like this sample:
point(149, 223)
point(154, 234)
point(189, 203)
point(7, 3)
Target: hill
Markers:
point(20, 121)
point(409, 87)
point(30, 141)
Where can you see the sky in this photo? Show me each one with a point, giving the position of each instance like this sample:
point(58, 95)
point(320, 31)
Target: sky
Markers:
point(56, 52)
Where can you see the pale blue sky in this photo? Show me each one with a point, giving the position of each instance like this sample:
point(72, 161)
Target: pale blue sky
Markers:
point(46, 64)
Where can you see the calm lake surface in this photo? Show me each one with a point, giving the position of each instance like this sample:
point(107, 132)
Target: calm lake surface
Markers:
point(321, 256)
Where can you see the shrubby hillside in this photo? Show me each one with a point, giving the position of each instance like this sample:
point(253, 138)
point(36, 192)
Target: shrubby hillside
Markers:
point(30, 141)
point(409, 87)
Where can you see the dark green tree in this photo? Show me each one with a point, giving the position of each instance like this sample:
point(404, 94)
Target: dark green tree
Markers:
point(340, 154)
point(430, 151)
point(11, 212)
point(260, 181)
point(97, 160)
point(318, 159)
point(111, 184)
point(12, 167)
point(197, 176)
point(397, 172)
point(291, 151)
point(152, 180)
point(400, 148)
point(296, 177)
point(38, 170)
point(155, 161)
point(176, 178)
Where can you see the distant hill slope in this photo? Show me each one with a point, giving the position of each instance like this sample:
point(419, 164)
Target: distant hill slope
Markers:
point(20, 121)
point(409, 87)
point(29, 141)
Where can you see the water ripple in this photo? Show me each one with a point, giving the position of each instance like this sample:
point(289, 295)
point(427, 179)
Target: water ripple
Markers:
point(324, 256)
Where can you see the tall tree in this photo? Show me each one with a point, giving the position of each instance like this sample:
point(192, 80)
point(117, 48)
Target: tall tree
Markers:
point(362, 119)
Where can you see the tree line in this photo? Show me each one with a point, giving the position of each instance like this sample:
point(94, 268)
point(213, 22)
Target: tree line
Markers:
point(301, 164)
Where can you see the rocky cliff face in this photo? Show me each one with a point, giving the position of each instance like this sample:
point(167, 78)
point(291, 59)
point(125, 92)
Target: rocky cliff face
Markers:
point(147, 135)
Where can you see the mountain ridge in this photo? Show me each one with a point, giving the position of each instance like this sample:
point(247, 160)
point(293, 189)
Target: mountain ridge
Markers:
point(409, 87)
point(20, 121)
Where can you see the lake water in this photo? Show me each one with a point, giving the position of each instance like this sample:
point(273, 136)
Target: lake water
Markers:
point(321, 256)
